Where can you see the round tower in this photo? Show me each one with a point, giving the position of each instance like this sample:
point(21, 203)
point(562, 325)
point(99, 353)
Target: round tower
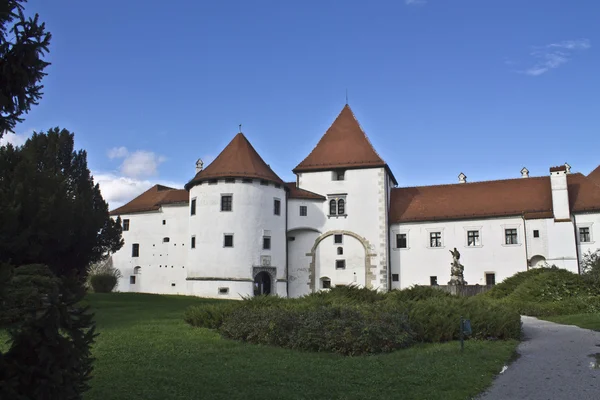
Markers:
point(237, 226)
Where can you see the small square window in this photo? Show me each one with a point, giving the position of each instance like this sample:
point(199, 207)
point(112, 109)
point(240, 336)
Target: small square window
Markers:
point(433, 280)
point(338, 175)
point(303, 211)
point(337, 239)
point(132, 280)
point(193, 207)
point(325, 283)
point(395, 277)
point(166, 240)
point(291, 238)
point(277, 207)
point(340, 251)
point(164, 221)
point(277, 185)
point(473, 238)
point(340, 264)
point(536, 233)
point(172, 284)
point(226, 202)
point(223, 290)
point(135, 250)
point(401, 242)
point(264, 183)
point(584, 235)
point(510, 236)
point(229, 180)
point(435, 239)
point(125, 224)
point(267, 242)
point(490, 279)
point(246, 180)
point(193, 244)
point(212, 182)
point(228, 240)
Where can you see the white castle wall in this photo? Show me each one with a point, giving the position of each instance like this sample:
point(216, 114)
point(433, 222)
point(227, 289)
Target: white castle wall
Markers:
point(592, 221)
point(252, 217)
point(354, 255)
point(162, 264)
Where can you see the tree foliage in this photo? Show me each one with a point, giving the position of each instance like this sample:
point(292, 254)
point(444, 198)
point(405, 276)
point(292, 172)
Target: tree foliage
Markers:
point(51, 212)
point(23, 44)
point(590, 266)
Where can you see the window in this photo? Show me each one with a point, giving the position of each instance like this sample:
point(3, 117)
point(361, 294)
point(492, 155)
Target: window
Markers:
point(264, 183)
point(340, 251)
point(337, 239)
point(490, 279)
point(536, 233)
point(228, 240)
point(267, 242)
point(433, 280)
point(226, 202)
point(212, 182)
point(164, 221)
point(229, 180)
point(325, 283)
point(395, 277)
point(277, 185)
point(338, 175)
point(166, 240)
point(193, 207)
point(172, 284)
point(246, 180)
point(401, 242)
point(193, 244)
point(332, 207)
point(291, 238)
point(473, 238)
point(135, 250)
point(125, 224)
point(277, 207)
point(132, 280)
point(510, 236)
point(584, 235)
point(303, 211)
point(136, 270)
point(435, 239)
point(340, 264)
point(223, 290)
point(341, 207)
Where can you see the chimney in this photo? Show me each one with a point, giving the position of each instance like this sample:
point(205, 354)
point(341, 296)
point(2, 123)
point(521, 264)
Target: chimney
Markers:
point(199, 165)
point(462, 178)
point(568, 167)
point(560, 193)
point(524, 173)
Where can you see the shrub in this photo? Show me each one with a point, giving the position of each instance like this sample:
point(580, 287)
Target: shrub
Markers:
point(341, 329)
point(208, 316)
point(103, 267)
point(509, 285)
point(552, 285)
point(416, 293)
point(438, 319)
point(573, 305)
point(590, 267)
point(103, 283)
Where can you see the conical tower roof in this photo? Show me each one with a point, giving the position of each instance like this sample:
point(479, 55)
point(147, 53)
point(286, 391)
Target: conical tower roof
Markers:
point(237, 160)
point(344, 145)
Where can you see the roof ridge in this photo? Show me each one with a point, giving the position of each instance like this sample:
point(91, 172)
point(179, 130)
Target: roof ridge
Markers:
point(474, 183)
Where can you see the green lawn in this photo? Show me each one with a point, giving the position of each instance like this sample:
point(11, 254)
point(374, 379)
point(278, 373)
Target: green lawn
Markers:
point(587, 321)
point(146, 351)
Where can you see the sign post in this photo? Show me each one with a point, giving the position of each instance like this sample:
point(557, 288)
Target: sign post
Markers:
point(465, 329)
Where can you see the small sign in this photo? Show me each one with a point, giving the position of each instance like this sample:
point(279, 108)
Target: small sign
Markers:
point(467, 327)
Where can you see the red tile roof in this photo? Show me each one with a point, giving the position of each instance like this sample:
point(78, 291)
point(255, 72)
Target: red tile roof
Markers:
point(344, 145)
point(237, 160)
point(529, 197)
point(595, 175)
point(152, 199)
point(297, 193)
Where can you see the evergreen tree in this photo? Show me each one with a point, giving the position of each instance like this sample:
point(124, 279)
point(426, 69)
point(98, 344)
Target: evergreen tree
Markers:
point(23, 44)
point(51, 212)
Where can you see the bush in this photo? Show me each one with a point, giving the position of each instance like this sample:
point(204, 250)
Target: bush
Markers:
point(509, 285)
point(573, 305)
point(416, 293)
point(103, 283)
point(207, 316)
point(552, 285)
point(590, 267)
point(351, 293)
point(340, 329)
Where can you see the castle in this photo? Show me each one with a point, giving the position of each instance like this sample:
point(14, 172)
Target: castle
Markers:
point(238, 230)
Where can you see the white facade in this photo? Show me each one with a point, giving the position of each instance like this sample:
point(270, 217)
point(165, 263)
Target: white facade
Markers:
point(335, 227)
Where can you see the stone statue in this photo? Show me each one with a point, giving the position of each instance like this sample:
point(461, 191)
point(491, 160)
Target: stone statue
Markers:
point(456, 273)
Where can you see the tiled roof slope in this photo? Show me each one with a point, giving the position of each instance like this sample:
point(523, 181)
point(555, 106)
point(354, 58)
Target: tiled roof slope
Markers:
point(595, 175)
point(152, 199)
point(237, 160)
point(344, 145)
point(530, 197)
point(297, 193)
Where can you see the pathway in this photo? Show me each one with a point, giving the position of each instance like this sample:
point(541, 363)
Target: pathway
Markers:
point(554, 364)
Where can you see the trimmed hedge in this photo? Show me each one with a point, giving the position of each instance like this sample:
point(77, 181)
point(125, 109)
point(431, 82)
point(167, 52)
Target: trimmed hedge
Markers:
point(573, 305)
point(554, 285)
point(103, 283)
point(510, 284)
point(416, 293)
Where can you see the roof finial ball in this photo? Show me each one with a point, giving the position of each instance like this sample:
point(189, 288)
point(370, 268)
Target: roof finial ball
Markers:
point(462, 178)
point(199, 165)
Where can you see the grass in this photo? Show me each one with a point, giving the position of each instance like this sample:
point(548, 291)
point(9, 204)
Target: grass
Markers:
point(146, 351)
point(586, 321)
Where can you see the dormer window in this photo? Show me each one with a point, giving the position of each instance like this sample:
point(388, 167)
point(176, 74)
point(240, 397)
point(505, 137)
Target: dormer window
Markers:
point(338, 175)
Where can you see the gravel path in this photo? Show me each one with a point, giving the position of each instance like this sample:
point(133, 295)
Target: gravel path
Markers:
point(554, 364)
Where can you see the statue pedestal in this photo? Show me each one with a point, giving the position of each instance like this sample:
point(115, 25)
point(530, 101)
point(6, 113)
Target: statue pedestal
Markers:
point(457, 281)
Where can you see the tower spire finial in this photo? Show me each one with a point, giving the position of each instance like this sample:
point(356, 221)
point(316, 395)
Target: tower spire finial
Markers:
point(240, 128)
point(346, 96)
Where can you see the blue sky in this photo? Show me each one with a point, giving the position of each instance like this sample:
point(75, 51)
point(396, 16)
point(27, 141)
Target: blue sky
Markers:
point(439, 86)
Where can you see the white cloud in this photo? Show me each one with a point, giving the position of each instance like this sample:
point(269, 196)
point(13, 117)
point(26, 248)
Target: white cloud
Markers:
point(118, 190)
point(554, 55)
point(16, 139)
point(118, 152)
point(141, 164)
point(415, 2)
